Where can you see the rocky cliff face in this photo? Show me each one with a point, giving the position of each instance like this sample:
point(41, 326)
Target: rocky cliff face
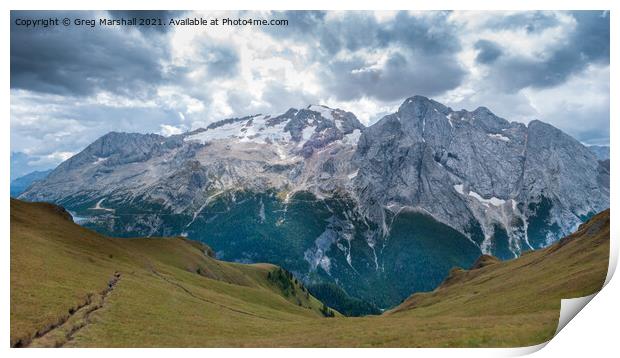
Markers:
point(383, 211)
point(478, 173)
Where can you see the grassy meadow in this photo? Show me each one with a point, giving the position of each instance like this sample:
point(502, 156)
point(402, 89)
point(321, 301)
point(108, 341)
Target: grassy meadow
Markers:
point(71, 287)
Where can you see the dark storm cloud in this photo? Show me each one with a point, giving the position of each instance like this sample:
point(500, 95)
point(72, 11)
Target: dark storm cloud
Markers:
point(402, 75)
point(592, 36)
point(81, 61)
point(220, 61)
point(430, 34)
point(488, 51)
point(361, 30)
point(587, 44)
point(424, 63)
point(78, 61)
point(357, 30)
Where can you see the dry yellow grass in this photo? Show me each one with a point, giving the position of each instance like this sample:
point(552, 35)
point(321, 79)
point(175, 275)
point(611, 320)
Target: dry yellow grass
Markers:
point(170, 294)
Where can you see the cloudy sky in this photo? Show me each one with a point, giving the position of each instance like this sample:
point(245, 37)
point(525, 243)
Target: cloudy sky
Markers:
point(70, 85)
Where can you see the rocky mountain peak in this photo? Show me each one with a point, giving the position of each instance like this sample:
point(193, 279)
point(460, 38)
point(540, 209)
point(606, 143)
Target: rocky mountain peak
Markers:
point(297, 131)
point(488, 121)
point(418, 107)
point(491, 165)
point(116, 148)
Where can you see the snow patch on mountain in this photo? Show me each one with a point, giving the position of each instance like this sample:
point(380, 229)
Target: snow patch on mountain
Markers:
point(353, 175)
point(499, 137)
point(254, 129)
point(325, 112)
point(353, 137)
point(492, 200)
point(306, 134)
point(99, 160)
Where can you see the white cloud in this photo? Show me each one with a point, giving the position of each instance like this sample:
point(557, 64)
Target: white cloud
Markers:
point(52, 159)
point(168, 130)
point(366, 110)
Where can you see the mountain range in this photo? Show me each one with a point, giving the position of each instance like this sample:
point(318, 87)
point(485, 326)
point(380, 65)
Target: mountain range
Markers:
point(381, 211)
point(19, 185)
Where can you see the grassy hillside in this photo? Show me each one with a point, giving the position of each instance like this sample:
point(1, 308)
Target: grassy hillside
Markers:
point(73, 287)
point(77, 288)
point(528, 290)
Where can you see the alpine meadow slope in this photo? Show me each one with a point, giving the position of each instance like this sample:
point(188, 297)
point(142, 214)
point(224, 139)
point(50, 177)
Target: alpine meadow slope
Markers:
point(72, 287)
point(382, 211)
point(63, 276)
